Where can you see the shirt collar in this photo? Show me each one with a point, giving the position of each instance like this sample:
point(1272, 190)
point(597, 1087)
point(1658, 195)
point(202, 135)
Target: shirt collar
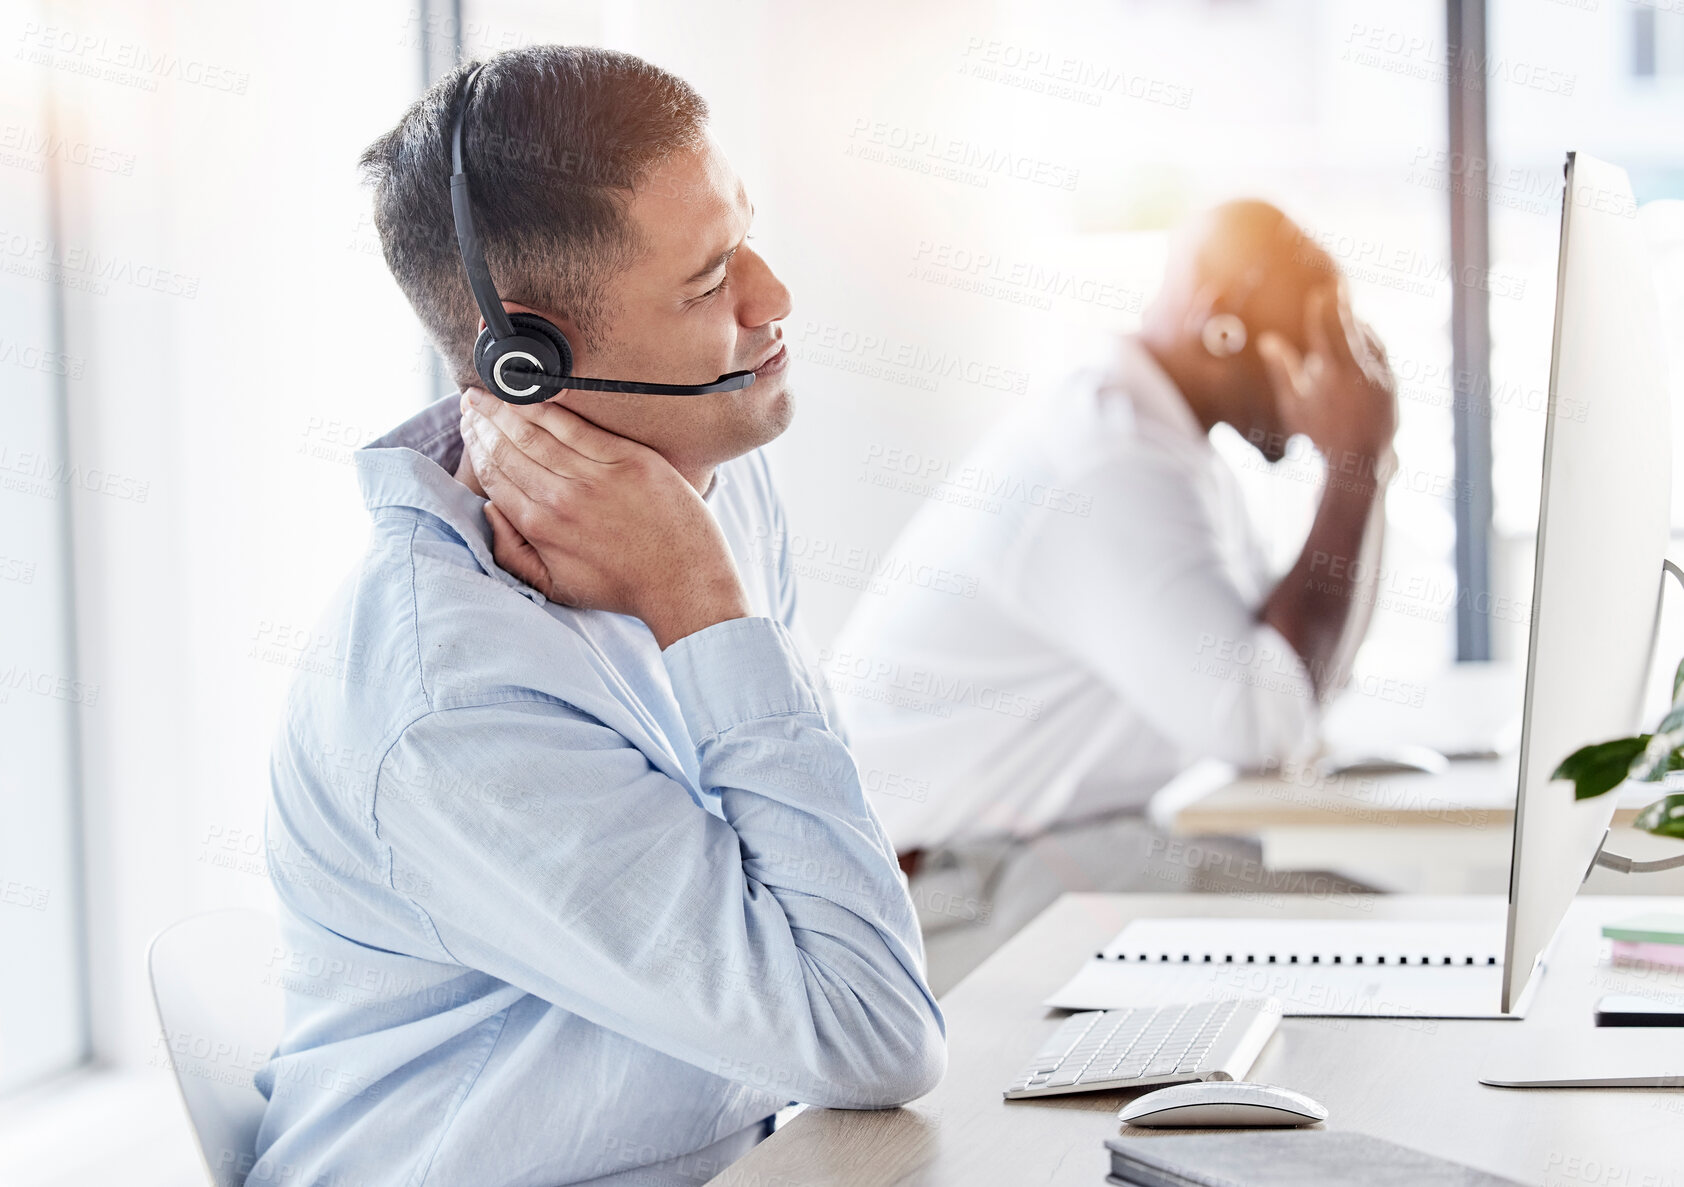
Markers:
point(414, 466)
point(1152, 392)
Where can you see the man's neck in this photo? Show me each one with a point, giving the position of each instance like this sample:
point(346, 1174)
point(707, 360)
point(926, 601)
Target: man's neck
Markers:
point(466, 476)
point(1174, 365)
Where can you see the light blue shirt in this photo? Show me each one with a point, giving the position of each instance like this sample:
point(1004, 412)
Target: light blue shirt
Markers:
point(558, 906)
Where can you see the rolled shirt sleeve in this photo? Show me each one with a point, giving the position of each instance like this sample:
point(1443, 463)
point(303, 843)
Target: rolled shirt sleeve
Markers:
point(765, 936)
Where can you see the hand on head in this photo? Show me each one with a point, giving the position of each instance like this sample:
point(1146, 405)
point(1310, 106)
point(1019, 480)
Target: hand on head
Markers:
point(1340, 393)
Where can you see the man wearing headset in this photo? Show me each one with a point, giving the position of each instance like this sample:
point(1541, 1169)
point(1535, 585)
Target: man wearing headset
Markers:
point(1130, 626)
point(577, 881)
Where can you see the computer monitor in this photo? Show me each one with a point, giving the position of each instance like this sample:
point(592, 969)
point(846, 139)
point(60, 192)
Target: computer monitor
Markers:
point(1603, 524)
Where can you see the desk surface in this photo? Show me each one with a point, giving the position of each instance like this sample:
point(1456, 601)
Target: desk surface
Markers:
point(1414, 1081)
point(1473, 794)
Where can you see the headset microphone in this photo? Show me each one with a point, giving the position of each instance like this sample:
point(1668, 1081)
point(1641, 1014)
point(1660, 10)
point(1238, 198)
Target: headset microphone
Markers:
point(524, 358)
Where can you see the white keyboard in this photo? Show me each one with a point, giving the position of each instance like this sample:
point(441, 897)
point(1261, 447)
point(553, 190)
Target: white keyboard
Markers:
point(1103, 1049)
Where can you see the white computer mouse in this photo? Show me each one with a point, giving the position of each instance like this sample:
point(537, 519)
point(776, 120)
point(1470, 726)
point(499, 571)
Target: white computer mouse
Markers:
point(1401, 759)
point(1225, 1104)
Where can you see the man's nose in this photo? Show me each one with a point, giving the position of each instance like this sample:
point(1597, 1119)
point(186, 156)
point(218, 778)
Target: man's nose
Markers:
point(765, 299)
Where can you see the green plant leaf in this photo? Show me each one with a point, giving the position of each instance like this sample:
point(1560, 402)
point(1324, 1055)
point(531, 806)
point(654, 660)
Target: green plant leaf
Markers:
point(1678, 683)
point(1664, 817)
point(1656, 758)
point(1602, 767)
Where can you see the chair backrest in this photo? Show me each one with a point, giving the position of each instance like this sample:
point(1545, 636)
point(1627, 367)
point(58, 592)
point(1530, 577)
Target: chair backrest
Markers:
point(220, 1009)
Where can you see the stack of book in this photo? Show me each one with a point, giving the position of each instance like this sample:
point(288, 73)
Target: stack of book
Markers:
point(1284, 1158)
point(1647, 940)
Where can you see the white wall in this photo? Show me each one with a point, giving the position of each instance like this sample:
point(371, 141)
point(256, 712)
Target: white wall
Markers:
point(239, 334)
point(41, 699)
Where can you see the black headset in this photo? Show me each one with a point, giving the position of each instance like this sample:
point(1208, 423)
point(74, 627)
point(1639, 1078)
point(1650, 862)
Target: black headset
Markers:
point(524, 358)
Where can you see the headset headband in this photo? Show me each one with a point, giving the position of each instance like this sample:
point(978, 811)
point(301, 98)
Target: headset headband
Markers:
point(473, 256)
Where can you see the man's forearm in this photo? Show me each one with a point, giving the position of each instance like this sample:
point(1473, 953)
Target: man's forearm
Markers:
point(1323, 604)
point(848, 934)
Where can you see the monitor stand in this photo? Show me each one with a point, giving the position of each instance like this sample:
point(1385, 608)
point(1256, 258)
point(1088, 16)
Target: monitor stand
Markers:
point(1595, 1057)
point(1598, 1056)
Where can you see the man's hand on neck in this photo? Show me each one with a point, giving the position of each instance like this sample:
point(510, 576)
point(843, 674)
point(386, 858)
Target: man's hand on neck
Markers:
point(699, 476)
point(598, 522)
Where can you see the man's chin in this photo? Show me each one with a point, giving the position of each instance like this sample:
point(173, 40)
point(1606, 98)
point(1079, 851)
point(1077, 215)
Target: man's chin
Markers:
point(760, 416)
point(773, 413)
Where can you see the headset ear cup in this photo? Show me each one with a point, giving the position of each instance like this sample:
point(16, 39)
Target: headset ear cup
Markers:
point(483, 360)
point(535, 345)
point(533, 326)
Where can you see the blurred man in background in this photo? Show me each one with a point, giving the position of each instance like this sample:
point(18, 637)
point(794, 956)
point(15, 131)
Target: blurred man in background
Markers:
point(1121, 633)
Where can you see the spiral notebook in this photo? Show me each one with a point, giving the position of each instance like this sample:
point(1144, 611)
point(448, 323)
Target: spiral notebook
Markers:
point(1377, 968)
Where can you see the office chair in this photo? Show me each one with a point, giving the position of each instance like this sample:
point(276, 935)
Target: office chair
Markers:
point(220, 1013)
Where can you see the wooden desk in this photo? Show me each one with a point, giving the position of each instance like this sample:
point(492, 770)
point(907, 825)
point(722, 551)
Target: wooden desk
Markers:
point(1406, 833)
point(1410, 1080)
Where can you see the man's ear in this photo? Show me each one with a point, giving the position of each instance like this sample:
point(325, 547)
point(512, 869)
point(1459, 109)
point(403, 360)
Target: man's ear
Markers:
point(1207, 301)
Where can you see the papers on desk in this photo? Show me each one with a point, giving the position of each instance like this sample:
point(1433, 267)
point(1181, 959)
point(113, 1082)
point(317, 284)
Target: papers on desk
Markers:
point(1318, 968)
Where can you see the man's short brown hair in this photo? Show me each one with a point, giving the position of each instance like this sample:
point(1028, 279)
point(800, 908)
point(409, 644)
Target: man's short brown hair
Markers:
point(554, 141)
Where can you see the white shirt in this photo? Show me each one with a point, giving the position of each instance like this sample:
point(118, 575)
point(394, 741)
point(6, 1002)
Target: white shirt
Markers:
point(1103, 636)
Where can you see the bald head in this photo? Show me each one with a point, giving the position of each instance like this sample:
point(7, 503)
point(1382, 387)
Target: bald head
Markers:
point(1241, 260)
point(1248, 259)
